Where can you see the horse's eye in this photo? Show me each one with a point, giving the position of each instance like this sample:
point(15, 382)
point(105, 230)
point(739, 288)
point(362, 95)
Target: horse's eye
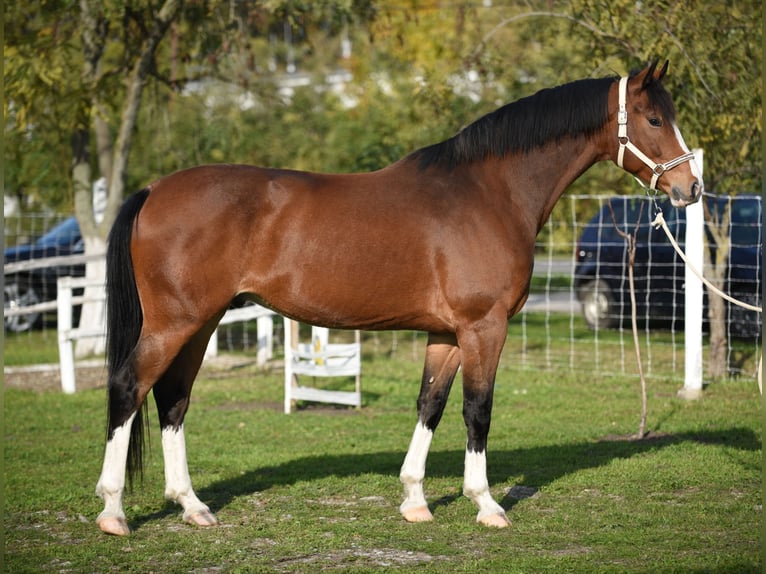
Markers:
point(655, 122)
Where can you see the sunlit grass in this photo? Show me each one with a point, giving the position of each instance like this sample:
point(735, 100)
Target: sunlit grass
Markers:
point(318, 490)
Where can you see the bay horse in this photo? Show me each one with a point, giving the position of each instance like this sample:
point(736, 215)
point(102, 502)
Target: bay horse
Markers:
point(441, 241)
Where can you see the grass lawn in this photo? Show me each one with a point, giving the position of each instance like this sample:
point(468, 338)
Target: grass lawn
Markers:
point(318, 490)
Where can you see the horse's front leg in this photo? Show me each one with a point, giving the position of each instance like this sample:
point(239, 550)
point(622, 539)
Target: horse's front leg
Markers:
point(441, 364)
point(480, 347)
point(111, 483)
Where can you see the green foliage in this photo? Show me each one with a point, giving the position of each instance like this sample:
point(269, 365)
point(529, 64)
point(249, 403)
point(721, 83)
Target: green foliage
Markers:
point(421, 70)
point(47, 100)
point(39, 96)
point(715, 55)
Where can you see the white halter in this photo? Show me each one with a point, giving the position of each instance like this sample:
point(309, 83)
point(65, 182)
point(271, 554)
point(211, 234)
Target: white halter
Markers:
point(622, 136)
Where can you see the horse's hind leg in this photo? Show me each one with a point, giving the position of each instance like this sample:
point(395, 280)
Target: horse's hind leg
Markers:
point(441, 364)
point(153, 355)
point(171, 394)
point(111, 483)
point(156, 353)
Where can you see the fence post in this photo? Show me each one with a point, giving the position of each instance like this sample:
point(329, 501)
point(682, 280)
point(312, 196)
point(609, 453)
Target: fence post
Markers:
point(265, 333)
point(289, 342)
point(695, 244)
point(64, 317)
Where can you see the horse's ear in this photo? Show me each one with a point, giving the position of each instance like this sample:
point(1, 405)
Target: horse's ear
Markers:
point(664, 70)
point(649, 74)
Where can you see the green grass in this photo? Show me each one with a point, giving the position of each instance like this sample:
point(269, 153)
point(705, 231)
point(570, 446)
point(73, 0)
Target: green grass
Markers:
point(554, 341)
point(32, 348)
point(318, 490)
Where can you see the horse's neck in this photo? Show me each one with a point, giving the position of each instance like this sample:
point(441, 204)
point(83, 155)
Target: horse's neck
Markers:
point(546, 173)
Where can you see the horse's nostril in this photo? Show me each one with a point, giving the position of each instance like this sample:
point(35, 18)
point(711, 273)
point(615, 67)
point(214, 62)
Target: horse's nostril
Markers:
point(695, 190)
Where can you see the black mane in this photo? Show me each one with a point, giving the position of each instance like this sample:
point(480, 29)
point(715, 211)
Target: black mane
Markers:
point(575, 109)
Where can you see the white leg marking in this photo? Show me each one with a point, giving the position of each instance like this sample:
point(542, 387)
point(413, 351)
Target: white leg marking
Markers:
point(178, 485)
point(476, 487)
point(415, 508)
point(111, 483)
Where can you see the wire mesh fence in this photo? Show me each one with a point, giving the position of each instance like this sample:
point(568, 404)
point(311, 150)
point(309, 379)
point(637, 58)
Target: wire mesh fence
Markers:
point(586, 322)
point(577, 316)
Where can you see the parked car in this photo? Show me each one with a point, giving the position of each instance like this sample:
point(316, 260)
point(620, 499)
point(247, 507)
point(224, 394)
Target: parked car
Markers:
point(601, 273)
point(24, 288)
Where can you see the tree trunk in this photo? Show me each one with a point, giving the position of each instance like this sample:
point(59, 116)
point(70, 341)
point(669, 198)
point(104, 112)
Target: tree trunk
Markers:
point(718, 225)
point(92, 313)
point(94, 235)
point(95, 29)
point(717, 361)
point(169, 12)
point(103, 142)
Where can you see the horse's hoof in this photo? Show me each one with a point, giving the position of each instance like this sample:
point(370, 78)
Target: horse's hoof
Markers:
point(117, 526)
point(420, 514)
point(499, 520)
point(202, 518)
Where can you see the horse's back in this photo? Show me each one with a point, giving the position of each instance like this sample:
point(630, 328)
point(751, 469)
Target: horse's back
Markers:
point(387, 249)
point(319, 247)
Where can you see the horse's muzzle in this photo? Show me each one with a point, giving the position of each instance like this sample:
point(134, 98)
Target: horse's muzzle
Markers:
point(680, 199)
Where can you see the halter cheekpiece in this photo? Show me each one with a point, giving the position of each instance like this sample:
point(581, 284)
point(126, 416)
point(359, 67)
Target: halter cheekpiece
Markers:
point(622, 136)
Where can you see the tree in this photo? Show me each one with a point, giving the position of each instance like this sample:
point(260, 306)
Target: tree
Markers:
point(117, 47)
point(112, 155)
point(39, 98)
point(41, 67)
point(715, 57)
point(421, 70)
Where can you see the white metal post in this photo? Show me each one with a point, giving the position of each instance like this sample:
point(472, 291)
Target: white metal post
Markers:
point(695, 244)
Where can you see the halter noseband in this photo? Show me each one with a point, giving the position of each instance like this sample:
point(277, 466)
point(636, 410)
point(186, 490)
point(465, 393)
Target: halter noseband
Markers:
point(622, 136)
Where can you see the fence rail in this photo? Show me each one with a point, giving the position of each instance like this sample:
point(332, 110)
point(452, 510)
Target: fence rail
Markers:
point(57, 261)
point(42, 263)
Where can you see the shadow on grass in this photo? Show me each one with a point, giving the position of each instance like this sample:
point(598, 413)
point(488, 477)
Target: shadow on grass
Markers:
point(540, 466)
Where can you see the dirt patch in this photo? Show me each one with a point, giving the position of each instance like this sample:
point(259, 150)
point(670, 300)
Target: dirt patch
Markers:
point(47, 378)
point(92, 374)
point(359, 557)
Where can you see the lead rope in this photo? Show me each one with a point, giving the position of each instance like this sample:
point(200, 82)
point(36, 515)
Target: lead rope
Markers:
point(659, 221)
point(657, 170)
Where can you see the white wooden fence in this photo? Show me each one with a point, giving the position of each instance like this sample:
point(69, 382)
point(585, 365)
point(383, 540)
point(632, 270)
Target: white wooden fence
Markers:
point(68, 334)
point(319, 358)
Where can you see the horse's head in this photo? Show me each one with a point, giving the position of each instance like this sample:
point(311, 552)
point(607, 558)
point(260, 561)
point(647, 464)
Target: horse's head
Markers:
point(650, 145)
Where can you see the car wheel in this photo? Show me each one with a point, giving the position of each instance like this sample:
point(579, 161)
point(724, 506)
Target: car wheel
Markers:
point(598, 306)
point(18, 295)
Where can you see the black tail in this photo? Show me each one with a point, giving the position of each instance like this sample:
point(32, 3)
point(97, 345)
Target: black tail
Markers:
point(124, 321)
